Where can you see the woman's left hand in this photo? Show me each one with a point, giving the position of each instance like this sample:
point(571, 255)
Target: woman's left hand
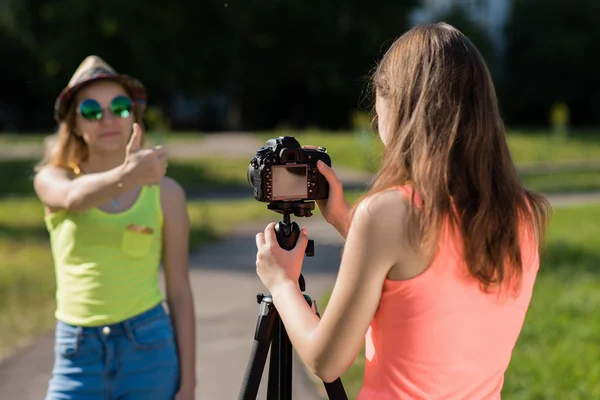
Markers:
point(275, 265)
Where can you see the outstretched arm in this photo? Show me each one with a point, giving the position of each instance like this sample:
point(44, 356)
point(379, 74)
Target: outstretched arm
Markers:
point(179, 293)
point(57, 190)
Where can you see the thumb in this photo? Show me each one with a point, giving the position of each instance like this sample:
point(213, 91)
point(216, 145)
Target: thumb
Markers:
point(302, 241)
point(135, 141)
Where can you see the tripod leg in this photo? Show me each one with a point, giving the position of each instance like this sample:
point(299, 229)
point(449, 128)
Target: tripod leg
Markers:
point(260, 349)
point(335, 390)
point(280, 366)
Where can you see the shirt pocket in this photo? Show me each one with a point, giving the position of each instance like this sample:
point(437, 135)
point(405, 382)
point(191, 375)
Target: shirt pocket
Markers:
point(137, 240)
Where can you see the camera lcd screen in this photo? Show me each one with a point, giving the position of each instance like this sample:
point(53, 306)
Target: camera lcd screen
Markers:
point(289, 182)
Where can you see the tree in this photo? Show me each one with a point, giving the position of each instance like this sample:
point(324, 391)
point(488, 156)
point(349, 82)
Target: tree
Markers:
point(551, 57)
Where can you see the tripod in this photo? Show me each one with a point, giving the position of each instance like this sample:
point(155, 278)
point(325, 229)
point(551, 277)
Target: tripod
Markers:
point(270, 329)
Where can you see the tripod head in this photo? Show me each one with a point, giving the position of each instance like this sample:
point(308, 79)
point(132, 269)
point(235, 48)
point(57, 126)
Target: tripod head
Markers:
point(288, 231)
point(299, 208)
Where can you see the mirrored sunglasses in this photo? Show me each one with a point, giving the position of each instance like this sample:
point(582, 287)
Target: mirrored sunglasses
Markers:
point(91, 110)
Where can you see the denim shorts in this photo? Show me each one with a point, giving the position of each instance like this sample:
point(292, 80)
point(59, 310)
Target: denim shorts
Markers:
point(131, 360)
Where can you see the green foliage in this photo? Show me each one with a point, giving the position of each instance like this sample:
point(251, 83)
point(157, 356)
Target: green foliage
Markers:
point(299, 62)
point(458, 18)
point(295, 63)
point(156, 120)
point(548, 60)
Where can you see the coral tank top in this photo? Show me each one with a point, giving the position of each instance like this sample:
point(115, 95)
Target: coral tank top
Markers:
point(439, 336)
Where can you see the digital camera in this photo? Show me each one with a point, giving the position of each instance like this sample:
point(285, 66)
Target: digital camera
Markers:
point(282, 171)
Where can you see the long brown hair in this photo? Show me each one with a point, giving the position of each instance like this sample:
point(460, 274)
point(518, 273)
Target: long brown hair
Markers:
point(447, 141)
point(65, 149)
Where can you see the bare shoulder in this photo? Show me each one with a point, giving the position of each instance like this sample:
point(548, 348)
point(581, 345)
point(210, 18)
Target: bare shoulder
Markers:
point(381, 222)
point(388, 208)
point(171, 190)
point(174, 205)
point(51, 172)
point(51, 185)
point(50, 179)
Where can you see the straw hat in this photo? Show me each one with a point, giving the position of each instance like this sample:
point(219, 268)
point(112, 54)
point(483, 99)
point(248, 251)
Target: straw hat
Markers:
point(93, 68)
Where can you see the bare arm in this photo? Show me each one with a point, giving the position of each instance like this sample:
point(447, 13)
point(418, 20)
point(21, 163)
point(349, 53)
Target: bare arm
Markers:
point(374, 244)
point(58, 191)
point(179, 293)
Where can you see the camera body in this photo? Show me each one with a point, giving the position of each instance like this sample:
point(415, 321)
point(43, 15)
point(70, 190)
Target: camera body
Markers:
point(282, 171)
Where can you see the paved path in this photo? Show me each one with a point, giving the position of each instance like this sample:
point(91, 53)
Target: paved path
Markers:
point(225, 144)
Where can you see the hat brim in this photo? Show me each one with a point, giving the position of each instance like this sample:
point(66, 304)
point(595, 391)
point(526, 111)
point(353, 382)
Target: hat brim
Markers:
point(135, 88)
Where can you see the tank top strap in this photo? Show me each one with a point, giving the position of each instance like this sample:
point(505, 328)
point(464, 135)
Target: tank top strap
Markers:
point(408, 190)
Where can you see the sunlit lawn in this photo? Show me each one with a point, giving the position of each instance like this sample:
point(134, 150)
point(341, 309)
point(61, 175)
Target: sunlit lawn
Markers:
point(361, 150)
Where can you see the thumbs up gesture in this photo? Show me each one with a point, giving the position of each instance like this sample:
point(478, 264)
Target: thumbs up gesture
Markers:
point(144, 166)
point(135, 141)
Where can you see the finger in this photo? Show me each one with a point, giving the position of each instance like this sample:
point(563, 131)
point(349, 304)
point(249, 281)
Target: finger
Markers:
point(135, 141)
point(328, 173)
point(324, 168)
point(308, 146)
point(270, 235)
point(260, 240)
point(302, 241)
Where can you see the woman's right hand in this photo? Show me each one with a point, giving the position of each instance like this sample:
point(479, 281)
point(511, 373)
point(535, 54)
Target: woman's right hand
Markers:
point(144, 166)
point(335, 208)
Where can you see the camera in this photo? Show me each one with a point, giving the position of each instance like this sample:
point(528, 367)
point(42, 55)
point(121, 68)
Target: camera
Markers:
point(282, 171)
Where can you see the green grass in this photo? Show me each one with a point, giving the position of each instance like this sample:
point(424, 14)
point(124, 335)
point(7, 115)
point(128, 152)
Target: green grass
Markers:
point(210, 174)
point(564, 182)
point(556, 356)
point(26, 274)
point(360, 151)
point(529, 147)
point(16, 176)
point(351, 150)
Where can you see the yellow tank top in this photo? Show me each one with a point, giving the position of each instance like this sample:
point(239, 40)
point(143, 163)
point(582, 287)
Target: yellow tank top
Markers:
point(106, 264)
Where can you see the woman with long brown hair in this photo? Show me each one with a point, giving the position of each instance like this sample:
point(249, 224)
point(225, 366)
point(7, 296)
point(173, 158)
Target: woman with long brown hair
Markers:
point(441, 254)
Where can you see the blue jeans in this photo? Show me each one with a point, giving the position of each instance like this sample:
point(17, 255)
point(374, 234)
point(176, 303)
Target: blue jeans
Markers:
point(131, 360)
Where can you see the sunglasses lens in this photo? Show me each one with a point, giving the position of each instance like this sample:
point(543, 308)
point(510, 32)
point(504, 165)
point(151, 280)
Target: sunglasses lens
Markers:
point(90, 109)
point(121, 106)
